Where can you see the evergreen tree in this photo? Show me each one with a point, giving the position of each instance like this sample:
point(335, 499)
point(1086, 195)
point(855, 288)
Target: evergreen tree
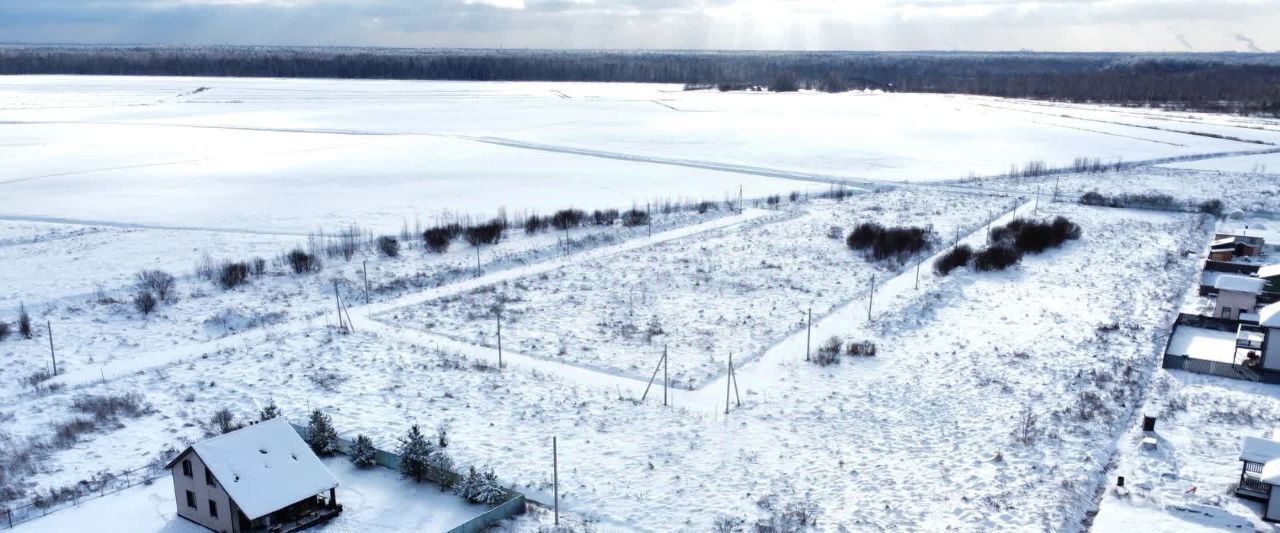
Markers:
point(415, 452)
point(362, 452)
point(469, 487)
point(490, 491)
point(441, 468)
point(269, 412)
point(320, 433)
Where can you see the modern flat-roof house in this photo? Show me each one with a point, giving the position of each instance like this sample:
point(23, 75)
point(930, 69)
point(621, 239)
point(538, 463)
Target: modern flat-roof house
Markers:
point(1236, 294)
point(1270, 275)
point(1260, 473)
point(262, 477)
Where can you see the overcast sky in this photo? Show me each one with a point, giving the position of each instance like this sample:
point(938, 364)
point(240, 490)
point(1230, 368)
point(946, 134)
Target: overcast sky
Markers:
point(1057, 25)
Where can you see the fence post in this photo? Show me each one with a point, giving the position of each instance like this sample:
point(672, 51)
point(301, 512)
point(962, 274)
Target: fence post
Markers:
point(808, 335)
point(555, 477)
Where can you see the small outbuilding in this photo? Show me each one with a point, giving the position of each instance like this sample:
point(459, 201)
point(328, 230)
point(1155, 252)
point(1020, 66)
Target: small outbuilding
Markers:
point(262, 477)
point(1236, 294)
point(1227, 247)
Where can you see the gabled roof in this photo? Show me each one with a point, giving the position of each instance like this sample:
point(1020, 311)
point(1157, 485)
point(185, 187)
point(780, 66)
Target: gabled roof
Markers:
point(1269, 316)
point(1256, 450)
point(1238, 283)
point(263, 467)
point(1268, 271)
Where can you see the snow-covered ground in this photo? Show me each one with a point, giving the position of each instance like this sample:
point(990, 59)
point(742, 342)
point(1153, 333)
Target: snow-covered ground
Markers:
point(618, 313)
point(996, 401)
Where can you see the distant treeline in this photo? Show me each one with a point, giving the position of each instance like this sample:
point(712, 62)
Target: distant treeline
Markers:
point(1226, 82)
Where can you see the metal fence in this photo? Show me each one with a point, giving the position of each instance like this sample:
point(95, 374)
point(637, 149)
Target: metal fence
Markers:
point(100, 485)
point(1223, 370)
point(512, 506)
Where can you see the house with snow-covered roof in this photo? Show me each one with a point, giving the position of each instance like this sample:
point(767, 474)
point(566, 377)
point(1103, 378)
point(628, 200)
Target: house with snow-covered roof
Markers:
point(1260, 473)
point(1236, 295)
point(262, 477)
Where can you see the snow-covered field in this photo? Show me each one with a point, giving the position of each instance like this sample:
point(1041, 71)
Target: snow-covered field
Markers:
point(107, 176)
point(734, 291)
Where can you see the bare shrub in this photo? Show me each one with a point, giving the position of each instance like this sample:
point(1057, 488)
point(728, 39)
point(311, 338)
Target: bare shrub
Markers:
point(67, 433)
point(157, 282)
point(835, 233)
point(144, 302)
point(634, 217)
point(487, 233)
point(604, 218)
point(864, 235)
point(568, 218)
point(5, 330)
point(1028, 428)
point(955, 258)
point(996, 257)
point(105, 408)
point(301, 262)
point(222, 422)
point(206, 268)
point(24, 321)
point(724, 523)
point(257, 266)
point(861, 349)
point(704, 206)
point(388, 246)
point(232, 275)
point(828, 352)
point(885, 243)
point(437, 239)
point(534, 224)
point(1213, 207)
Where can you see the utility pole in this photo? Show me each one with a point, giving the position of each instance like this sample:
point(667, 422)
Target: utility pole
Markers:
point(648, 217)
point(739, 197)
point(918, 274)
point(808, 334)
point(871, 300)
point(728, 379)
point(337, 303)
point(1036, 209)
point(555, 477)
point(664, 376)
point(365, 269)
point(499, 340)
point(53, 357)
point(477, 260)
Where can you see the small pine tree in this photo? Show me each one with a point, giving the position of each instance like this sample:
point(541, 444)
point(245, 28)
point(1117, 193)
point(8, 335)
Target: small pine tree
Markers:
point(362, 452)
point(269, 412)
point(441, 468)
point(320, 433)
point(415, 452)
point(469, 486)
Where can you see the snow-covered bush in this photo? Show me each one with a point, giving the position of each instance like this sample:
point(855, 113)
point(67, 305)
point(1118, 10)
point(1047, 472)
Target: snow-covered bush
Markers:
point(363, 454)
point(724, 523)
point(157, 282)
point(481, 488)
point(5, 330)
point(388, 246)
point(107, 407)
point(257, 267)
point(144, 302)
point(885, 243)
point(955, 258)
point(793, 517)
point(320, 433)
point(1213, 207)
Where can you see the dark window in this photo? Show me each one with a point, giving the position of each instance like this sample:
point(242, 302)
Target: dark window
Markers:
point(191, 499)
point(208, 477)
point(213, 508)
point(186, 467)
